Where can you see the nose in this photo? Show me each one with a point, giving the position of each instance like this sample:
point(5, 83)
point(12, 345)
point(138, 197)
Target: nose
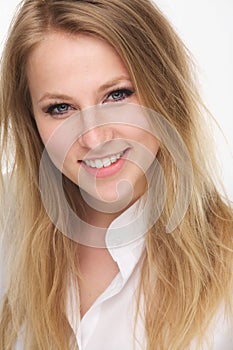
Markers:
point(96, 136)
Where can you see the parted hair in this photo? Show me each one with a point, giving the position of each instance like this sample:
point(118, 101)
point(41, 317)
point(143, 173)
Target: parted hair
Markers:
point(187, 274)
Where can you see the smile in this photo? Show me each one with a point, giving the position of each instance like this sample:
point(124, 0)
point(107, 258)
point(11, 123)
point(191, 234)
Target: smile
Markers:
point(103, 162)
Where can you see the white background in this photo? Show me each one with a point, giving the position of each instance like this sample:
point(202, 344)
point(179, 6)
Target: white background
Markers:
point(206, 27)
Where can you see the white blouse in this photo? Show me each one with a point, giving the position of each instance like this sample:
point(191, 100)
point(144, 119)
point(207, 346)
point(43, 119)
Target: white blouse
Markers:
point(109, 323)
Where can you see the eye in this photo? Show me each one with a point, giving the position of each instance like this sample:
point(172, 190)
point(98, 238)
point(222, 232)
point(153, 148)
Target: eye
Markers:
point(59, 109)
point(119, 95)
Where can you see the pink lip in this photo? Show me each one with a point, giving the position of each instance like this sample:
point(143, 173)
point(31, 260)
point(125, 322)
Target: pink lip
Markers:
point(108, 171)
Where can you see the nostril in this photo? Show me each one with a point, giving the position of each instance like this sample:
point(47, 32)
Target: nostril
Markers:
point(96, 136)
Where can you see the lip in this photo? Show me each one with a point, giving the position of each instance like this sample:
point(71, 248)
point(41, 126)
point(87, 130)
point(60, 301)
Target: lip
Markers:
point(110, 170)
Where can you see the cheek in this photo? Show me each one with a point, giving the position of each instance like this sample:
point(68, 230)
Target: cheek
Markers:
point(51, 144)
point(143, 138)
point(45, 129)
point(58, 142)
point(50, 134)
point(153, 144)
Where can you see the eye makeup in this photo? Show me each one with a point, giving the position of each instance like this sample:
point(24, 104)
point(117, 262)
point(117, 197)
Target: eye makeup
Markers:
point(62, 109)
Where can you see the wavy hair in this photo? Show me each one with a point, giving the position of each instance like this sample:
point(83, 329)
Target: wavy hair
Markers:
point(187, 274)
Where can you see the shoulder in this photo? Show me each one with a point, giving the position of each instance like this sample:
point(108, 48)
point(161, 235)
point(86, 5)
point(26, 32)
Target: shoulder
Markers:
point(222, 330)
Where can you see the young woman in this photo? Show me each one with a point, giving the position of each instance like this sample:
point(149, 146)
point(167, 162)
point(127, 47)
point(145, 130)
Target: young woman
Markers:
point(114, 234)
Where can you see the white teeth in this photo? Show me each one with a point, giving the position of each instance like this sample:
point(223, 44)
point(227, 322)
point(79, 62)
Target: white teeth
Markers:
point(105, 162)
point(92, 163)
point(98, 163)
point(113, 159)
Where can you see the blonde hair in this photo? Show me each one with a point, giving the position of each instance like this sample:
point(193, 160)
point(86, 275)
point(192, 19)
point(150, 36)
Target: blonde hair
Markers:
point(186, 274)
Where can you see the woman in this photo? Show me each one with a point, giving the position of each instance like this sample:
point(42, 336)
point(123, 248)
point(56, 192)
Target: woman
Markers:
point(94, 95)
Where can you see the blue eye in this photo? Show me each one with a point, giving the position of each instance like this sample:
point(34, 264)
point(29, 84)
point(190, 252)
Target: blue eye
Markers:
point(119, 95)
point(59, 109)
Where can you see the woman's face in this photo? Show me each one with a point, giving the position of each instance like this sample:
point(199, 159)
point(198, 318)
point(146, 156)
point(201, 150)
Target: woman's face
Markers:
point(69, 75)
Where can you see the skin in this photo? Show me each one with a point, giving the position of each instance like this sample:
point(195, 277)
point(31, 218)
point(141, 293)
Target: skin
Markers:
point(92, 75)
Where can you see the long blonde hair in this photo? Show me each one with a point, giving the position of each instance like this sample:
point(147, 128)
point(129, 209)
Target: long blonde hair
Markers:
point(186, 274)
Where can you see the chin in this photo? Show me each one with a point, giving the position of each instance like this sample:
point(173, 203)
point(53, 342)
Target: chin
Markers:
point(108, 198)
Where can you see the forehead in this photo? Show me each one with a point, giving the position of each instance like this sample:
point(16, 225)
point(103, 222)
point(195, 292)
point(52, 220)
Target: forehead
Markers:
point(60, 50)
point(74, 65)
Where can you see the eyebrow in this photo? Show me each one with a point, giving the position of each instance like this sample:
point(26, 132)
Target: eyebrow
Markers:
point(102, 88)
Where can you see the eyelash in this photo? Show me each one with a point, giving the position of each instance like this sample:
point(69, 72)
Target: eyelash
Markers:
point(51, 109)
point(127, 92)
